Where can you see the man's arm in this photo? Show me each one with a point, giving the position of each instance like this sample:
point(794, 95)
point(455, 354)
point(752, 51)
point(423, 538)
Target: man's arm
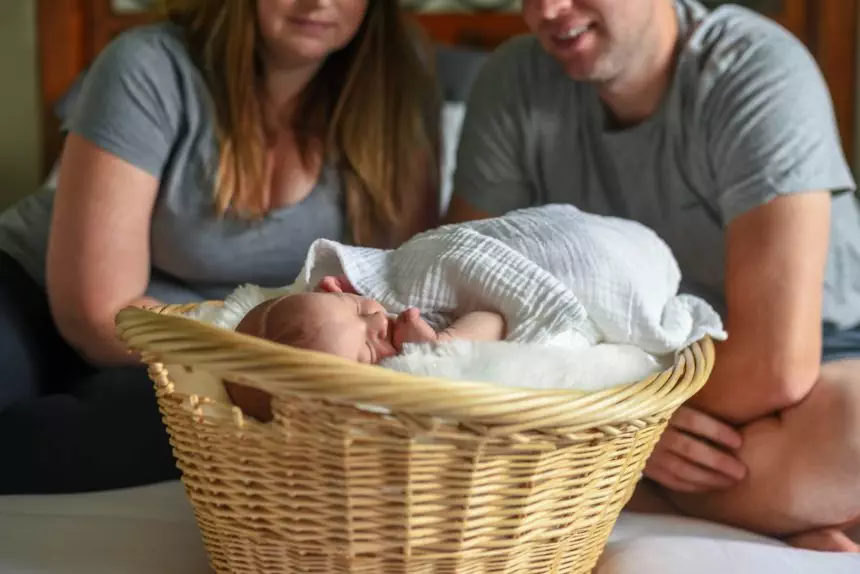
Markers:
point(775, 260)
point(775, 152)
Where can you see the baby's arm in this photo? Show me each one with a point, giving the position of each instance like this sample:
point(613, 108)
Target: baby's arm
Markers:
point(475, 326)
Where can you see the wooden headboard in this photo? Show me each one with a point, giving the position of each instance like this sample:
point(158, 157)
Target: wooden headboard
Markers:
point(72, 32)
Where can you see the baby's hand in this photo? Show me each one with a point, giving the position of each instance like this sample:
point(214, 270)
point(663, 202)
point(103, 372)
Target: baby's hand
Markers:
point(335, 284)
point(409, 327)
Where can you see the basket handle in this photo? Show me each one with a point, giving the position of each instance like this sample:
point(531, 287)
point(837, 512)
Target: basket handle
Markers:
point(163, 337)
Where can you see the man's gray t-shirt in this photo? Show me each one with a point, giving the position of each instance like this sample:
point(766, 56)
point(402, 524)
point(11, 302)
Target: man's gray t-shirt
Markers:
point(145, 101)
point(748, 117)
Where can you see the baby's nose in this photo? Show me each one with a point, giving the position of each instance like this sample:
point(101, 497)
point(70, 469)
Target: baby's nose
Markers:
point(379, 321)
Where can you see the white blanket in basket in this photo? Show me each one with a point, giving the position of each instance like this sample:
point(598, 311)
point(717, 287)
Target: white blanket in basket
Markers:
point(590, 301)
point(528, 365)
point(559, 275)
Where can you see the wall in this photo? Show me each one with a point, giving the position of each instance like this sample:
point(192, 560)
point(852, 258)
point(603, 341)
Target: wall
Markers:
point(19, 133)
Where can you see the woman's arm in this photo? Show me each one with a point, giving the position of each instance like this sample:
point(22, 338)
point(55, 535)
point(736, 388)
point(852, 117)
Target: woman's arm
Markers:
point(775, 260)
point(98, 253)
point(121, 136)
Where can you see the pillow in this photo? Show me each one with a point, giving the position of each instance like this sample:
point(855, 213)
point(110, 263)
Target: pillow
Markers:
point(452, 121)
point(457, 69)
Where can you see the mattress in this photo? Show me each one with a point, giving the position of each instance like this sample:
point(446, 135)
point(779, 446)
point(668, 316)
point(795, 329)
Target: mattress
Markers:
point(151, 530)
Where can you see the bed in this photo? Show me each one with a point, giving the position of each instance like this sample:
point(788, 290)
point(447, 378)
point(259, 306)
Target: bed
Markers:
point(151, 529)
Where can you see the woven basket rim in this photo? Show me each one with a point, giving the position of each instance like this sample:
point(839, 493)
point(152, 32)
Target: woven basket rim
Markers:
point(161, 335)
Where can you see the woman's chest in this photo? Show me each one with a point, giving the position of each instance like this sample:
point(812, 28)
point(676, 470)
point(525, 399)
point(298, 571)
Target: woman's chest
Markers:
point(194, 244)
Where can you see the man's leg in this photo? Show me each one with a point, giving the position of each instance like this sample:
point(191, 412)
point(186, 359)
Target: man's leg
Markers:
point(803, 466)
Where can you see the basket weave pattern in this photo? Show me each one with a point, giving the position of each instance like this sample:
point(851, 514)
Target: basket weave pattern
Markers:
point(454, 478)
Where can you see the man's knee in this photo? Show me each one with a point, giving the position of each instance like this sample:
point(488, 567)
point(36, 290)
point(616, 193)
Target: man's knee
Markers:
point(829, 418)
point(763, 500)
point(803, 465)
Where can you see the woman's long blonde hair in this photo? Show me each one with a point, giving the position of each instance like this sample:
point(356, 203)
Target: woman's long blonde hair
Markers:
point(373, 106)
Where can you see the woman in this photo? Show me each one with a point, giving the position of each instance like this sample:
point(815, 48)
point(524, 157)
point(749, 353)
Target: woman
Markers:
point(203, 152)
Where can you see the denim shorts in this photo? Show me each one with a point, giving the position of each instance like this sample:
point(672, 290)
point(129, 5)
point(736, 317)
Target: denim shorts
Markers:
point(840, 344)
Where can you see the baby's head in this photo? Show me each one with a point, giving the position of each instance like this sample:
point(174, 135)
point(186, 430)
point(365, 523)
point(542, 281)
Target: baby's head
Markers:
point(342, 324)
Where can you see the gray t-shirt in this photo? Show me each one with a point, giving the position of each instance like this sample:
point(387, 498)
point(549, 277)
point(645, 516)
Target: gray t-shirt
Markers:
point(145, 101)
point(748, 117)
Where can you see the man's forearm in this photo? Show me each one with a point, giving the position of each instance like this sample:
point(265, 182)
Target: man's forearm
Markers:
point(744, 387)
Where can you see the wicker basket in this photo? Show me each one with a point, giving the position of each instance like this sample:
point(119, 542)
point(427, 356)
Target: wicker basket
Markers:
point(452, 477)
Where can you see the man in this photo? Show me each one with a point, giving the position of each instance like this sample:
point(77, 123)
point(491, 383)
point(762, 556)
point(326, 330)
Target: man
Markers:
point(716, 129)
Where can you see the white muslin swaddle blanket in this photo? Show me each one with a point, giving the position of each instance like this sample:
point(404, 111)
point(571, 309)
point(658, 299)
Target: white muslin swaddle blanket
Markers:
point(559, 276)
point(590, 301)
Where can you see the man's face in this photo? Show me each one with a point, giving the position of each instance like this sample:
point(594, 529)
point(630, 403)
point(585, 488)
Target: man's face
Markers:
point(594, 40)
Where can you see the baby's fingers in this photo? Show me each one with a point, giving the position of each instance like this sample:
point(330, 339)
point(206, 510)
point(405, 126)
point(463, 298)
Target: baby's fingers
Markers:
point(409, 316)
point(329, 284)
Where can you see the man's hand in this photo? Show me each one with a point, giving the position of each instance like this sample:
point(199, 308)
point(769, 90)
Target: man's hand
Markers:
point(695, 454)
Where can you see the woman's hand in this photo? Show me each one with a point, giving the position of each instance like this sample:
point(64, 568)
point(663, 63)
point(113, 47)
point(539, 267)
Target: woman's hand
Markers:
point(695, 454)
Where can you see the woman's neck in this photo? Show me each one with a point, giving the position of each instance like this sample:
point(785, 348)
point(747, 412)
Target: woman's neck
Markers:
point(282, 86)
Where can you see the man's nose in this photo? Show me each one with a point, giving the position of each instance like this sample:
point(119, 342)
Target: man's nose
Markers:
point(552, 9)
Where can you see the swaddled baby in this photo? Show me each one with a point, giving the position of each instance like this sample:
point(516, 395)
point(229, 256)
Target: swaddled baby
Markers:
point(335, 319)
point(549, 275)
point(544, 275)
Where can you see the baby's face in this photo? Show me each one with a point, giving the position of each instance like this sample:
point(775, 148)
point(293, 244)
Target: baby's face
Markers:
point(355, 328)
point(342, 324)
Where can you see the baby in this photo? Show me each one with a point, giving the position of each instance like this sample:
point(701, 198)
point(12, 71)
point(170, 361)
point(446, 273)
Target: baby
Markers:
point(335, 319)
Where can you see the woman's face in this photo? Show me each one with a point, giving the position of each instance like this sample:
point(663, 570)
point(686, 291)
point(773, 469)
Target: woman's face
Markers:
point(302, 32)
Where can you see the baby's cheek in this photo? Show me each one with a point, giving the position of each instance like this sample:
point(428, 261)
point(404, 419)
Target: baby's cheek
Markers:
point(397, 333)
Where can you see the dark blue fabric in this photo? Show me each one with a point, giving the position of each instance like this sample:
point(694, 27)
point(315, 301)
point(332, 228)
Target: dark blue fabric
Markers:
point(66, 426)
point(840, 344)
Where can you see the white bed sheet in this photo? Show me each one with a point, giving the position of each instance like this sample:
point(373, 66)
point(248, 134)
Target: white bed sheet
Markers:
point(148, 530)
point(151, 530)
